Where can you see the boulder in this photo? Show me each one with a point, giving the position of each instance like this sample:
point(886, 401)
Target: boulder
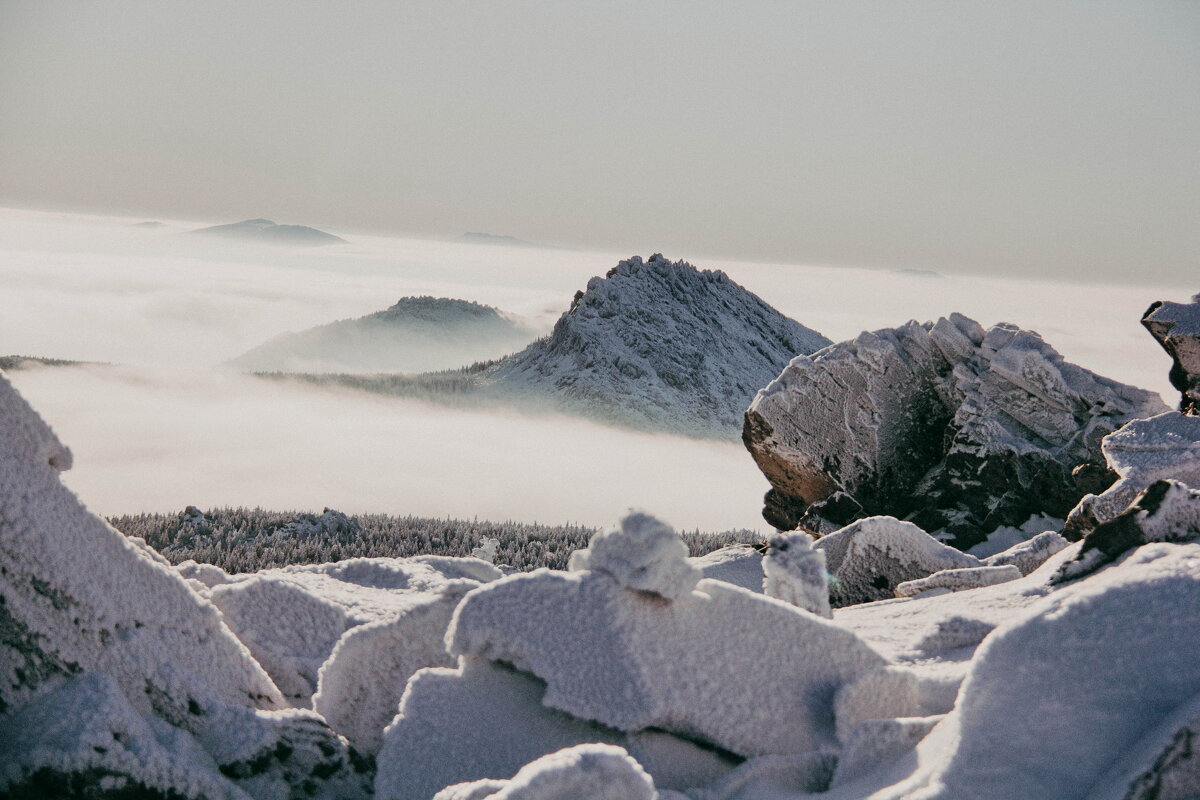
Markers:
point(949, 425)
point(795, 573)
point(958, 580)
point(1176, 326)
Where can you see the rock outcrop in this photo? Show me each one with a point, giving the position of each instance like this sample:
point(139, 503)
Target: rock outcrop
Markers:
point(1176, 326)
point(659, 344)
point(951, 426)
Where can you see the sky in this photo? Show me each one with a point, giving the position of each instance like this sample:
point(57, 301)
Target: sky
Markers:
point(1042, 139)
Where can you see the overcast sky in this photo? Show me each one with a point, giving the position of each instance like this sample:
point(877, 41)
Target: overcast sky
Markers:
point(1045, 138)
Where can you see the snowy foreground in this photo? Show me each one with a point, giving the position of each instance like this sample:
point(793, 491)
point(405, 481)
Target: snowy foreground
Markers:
point(876, 662)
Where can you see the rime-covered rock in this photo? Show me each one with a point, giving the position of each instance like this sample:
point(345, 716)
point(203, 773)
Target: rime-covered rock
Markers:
point(946, 424)
point(1176, 326)
point(592, 771)
point(641, 553)
point(795, 573)
point(1163, 447)
point(633, 660)
point(959, 580)
point(80, 601)
point(739, 564)
point(1167, 511)
point(659, 344)
point(868, 559)
point(1029, 554)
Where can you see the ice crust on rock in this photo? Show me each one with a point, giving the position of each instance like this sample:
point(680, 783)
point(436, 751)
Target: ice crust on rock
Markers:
point(641, 553)
point(944, 423)
point(1163, 447)
point(80, 599)
point(633, 660)
point(795, 573)
point(659, 344)
point(869, 558)
point(958, 580)
point(1176, 326)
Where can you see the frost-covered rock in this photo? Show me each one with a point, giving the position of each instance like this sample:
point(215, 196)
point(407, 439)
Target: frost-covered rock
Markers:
point(958, 580)
point(795, 573)
point(592, 771)
point(363, 679)
point(739, 564)
point(944, 423)
point(1163, 447)
point(634, 660)
point(1029, 554)
point(868, 559)
point(952, 633)
point(79, 599)
point(659, 344)
point(1166, 512)
point(773, 777)
point(1176, 326)
point(291, 618)
point(641, 553)
point(487, 550)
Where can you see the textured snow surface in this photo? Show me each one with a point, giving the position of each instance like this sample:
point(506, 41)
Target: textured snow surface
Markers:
point(739, 564)
point(795, 573)
point(944, 423)
point(660, 344)
point(1163, 447)
point(957, 580)
point(1029, 554)
point(593, 771)
point(79, 599)
point(633, 660)
point(868, 559)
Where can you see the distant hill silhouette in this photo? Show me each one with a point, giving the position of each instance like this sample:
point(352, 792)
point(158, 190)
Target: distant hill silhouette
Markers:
point(472, 237)
point(264, 230)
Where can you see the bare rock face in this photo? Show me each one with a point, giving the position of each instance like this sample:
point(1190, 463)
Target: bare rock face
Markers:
point(1176, 326)
point(945, 424)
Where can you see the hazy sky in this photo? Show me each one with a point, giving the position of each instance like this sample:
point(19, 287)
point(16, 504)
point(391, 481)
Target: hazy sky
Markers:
point(1048, 138)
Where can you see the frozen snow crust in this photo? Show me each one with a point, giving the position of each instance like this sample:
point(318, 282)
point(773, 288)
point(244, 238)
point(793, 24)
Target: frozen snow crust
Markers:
point(946, 424)
point(660, 344)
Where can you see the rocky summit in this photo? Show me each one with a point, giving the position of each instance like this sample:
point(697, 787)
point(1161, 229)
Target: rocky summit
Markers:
point(948, 425)
point(1176, 326)
point(660, 344)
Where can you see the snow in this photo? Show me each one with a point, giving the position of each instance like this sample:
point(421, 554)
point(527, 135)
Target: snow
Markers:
point(868, 559)
point(773, 778)
point(957, 580)
point(641, 553)
point(1030, 554)
point(795, 573)
point(739, 564)
point(593, 771)
point(880, 694)
point(633, 660)
point(659, 344)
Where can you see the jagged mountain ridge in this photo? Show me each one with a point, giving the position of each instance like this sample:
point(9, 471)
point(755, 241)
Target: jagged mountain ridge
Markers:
point(416, 334)
point(659, 344)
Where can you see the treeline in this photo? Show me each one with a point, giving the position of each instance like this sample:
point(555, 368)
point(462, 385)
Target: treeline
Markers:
point(247, 540)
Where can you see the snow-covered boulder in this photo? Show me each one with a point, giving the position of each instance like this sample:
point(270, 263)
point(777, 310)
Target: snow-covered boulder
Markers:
point(739, 564)
point(1163, 447)
point(795, 573)
point(633, 659)
point(592, 771)
point(1176, 326)
point(641, 553)
point(659, 344)
point(292, 617)
point(868, 559)
point(874, 743)
point(944, 423)
point(958, 580)
point(1029, 554)
point(773, 777)
point(363, 679)
point(79, 599)
point(1166, 512)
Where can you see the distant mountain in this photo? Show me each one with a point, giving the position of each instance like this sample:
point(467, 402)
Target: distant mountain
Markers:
point(417, 334)
point(264, 230)
point(150, 223)
point(659, 344)
point(504, 241)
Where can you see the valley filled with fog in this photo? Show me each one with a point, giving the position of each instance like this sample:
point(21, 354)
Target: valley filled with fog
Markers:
point(169, 424)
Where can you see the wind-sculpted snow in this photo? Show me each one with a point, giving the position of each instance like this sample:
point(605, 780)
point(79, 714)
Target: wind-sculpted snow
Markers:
point(632, 659)
point(659, 344)
point(1176, 326)
point(944, 423)
point(80, 599)
point(868, 559)
point(641, 554)
point(794, 572)
point(592, 771)
point(417, 334)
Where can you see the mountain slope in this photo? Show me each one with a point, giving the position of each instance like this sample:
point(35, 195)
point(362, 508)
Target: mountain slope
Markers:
point(659, 344)
point(414, 335)
point(264, 230)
